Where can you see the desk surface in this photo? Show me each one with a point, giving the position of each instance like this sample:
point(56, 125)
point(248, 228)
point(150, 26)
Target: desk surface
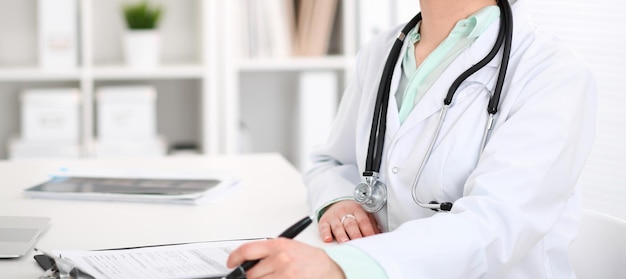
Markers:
point(270, 198)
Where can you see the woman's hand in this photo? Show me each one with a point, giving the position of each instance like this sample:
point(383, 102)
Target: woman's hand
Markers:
point(346, 220)
point(285, 258)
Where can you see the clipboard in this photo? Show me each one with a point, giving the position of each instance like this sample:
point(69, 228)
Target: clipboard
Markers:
point(49, 262)
point(46, 263)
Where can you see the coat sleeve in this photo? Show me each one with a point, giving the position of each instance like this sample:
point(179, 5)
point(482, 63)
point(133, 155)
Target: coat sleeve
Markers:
point(334, 172)
point(521, 186)
point(335, 165)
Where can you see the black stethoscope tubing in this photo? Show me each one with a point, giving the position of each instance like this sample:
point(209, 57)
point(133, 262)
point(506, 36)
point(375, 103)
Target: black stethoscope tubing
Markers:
point(378, 128)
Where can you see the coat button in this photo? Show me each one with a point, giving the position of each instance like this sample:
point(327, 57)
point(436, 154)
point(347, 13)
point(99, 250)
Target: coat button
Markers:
point(394, 170)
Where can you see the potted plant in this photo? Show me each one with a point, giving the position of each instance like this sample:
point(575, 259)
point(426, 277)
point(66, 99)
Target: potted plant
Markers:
point(142, 41)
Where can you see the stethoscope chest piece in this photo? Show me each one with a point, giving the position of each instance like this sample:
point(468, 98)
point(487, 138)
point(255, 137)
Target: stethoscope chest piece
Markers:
point(371, 194)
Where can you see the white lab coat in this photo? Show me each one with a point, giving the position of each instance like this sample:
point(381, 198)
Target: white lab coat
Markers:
point(516, 205)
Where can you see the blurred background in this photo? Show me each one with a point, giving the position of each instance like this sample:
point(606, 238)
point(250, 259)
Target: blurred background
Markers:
point(125, 78)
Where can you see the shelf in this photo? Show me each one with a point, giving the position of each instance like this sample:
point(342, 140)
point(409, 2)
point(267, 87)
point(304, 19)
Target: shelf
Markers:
point(294, 63)
point(114, 72)
point(37, 74)
point(120, 72)
point(199, 55)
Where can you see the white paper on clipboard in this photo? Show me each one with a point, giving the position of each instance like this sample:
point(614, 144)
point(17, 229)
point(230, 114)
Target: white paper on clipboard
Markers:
point(185, 260)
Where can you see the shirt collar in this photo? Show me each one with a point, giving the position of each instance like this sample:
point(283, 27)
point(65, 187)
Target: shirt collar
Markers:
point(482, 20)
point(470, 27)
point(474, 25)
point(408, 62)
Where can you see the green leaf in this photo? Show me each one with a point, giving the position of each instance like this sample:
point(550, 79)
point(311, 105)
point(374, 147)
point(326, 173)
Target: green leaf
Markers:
point(142, 15)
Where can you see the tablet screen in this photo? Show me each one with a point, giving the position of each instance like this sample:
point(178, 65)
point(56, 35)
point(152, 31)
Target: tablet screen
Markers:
point(125, 185)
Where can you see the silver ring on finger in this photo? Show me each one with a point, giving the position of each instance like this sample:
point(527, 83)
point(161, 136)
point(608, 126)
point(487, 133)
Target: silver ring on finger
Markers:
point(346, 217)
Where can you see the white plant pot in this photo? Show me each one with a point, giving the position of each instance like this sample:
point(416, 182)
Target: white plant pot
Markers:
point(142, 48)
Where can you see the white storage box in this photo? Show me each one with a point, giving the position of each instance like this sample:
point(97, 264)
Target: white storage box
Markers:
point(58, 40)
point(50, 115)
point(155, 147)
point(126, 113)
point(25, 150)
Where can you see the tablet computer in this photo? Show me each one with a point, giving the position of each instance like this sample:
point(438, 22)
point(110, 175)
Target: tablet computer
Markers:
point(124, 189)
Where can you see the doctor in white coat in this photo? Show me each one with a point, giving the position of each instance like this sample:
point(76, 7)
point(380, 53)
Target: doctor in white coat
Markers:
point(516, 203)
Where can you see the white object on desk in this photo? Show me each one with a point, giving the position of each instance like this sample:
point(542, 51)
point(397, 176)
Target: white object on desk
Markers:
point(18, 234)
point(136, 185)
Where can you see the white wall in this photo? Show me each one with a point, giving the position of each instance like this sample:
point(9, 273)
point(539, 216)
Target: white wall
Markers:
point(597, 30)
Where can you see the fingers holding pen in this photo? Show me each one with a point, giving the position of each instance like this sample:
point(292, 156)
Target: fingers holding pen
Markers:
point(249, 251)
point(278, 253)
point(285, 258)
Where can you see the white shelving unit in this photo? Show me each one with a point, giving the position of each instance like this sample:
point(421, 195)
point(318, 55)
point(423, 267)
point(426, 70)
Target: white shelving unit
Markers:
point(208, 93)
point(185, 81)
point(261, 106)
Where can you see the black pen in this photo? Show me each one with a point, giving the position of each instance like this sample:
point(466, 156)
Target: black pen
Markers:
point(291, 232)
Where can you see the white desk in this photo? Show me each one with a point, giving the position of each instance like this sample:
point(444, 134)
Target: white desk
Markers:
point(270, 199)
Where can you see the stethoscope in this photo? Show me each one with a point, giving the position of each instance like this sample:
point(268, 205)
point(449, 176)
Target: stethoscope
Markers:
point(372, 193)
